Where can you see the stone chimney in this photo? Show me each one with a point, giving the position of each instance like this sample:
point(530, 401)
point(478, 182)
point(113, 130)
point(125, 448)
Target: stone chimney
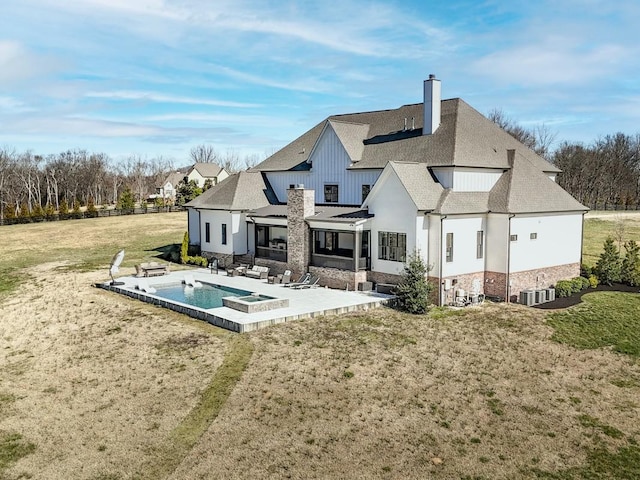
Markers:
point(300, 205)
point(432, 99)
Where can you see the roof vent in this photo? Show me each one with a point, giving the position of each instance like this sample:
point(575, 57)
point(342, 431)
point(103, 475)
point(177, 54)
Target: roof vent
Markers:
point(300, 186)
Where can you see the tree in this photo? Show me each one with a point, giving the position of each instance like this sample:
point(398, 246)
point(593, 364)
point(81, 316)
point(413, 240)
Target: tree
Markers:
point(126, 200)
point(539, 138)
point(608, 266)
point(204, 154)
point(92, 211)
point(630, 272)
point(208, 183)
point(184, 249)
point(412, 294)
point(187, 192)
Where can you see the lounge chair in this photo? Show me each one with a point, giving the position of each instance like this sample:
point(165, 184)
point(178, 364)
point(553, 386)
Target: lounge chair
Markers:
point(189, 281)
point(143, 286)
point(303, 279)
point(311, 282)
point(285, 278)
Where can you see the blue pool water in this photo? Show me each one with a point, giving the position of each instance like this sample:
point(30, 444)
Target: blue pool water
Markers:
point(207, 296)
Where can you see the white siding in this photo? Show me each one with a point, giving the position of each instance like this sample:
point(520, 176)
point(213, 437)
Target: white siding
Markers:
point(236, 231)
point(434, 245)
point(558, 242)
point(464, 245)
point(497, 242)
point(193, 226)
point(394, 212)
point(467, 179)
point(329, 166)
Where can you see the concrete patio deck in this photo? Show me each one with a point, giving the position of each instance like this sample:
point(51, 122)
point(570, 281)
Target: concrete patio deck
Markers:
point(304, 303)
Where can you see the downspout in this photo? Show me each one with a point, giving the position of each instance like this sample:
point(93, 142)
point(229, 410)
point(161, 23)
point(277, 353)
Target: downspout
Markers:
point(508, 287)
point(440, 286)
point(582, 240)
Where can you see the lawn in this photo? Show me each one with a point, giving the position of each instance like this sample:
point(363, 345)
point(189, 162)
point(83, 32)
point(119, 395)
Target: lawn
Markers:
point(600, 225)
point(95, 386)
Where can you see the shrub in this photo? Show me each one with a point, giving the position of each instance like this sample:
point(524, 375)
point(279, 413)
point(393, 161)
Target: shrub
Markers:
point(76, 209)
point(576, 284)
point(630, 271)
point(126, 200)
point(92, 211)
point(63, 209)
point(593, 281)
point(10, 211)
point(608, 266)
point(196, 260)
point(564, 288)
point(49, 212)
point(585, 282)
point(184, 250)
point(586, 270)
point(412, 293)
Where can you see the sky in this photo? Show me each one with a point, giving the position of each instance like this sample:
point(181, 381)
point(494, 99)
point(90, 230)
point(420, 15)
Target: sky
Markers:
point(154, 78)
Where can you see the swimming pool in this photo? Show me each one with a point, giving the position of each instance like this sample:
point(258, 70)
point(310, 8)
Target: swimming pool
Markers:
point(207, 296)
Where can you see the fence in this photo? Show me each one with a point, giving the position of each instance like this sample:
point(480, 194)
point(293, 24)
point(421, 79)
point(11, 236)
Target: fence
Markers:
point(97, 214)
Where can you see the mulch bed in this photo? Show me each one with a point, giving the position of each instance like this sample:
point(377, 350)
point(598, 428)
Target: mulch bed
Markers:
point(576, 298)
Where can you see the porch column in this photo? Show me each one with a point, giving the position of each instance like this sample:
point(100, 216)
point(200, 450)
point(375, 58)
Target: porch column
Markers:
point(357, 249)
point(300, 205)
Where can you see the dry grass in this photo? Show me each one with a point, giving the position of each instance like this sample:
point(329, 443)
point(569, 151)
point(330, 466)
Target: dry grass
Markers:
point(486, 392)
point(600, 225)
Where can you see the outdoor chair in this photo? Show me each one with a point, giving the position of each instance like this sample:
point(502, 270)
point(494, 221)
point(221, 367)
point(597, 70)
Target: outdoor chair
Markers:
point(302, 280)
point(311, 283)
point(143, 286)
point(258, 272)
point(189, 281)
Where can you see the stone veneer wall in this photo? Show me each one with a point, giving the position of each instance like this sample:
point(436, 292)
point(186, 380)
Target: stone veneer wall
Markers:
point(224, 259)
point(275, 267)
point(338, 279)
point(379, 277)
point(541, 278)
point(464, 282)
point(300, 204)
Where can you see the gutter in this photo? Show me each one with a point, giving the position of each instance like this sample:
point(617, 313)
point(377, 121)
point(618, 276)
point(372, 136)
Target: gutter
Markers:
point(440, 287)
point(508, 286)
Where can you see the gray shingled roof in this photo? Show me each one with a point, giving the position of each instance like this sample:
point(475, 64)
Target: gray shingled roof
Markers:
point(420, 185)
point(525, 189)
point(452, 203)
point(464, 138)
point(352, 137)
point(174, 178)
point(322, 213)
point(241, 191)
point(207, 169)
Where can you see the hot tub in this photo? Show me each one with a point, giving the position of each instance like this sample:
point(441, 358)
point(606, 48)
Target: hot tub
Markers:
point(255, 303)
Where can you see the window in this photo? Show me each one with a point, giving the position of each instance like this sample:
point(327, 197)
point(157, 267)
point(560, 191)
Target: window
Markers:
point(533, 236)
point(207, 232)
point(480, 244)
point(392, 246)
point(449, 251)
point(331, 193)
point(365, 191)
point(513, 238)
point(224, 234)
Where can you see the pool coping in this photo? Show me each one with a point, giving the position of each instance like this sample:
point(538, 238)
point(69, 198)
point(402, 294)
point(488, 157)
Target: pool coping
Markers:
point(307, 303)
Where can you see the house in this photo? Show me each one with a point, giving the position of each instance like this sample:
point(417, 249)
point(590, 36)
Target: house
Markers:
point(202, 171)
point(353, 197)
point(198, 172)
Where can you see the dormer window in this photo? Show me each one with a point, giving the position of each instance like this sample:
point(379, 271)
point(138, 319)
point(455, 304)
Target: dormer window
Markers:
point(331, 194)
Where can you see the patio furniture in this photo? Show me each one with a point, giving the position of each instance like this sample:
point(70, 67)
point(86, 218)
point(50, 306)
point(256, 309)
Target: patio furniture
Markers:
point(312, 282)
point(143, 286)
point(213, 265)
point(237, 270)
point(303, 279)
point(258, 272)
point(461, 299)
point(282, 278)
point(189, 281)
point(152, 269)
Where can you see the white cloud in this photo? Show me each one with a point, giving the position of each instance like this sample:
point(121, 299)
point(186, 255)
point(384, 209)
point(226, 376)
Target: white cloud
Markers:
point(18, 64)
point(164, 98)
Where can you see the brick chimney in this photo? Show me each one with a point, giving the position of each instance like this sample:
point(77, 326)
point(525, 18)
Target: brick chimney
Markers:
point(300, 205)
point(432, 99)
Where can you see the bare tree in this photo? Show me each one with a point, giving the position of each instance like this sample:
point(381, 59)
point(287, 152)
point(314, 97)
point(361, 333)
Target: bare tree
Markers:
point(539, 138)
point(204, 153)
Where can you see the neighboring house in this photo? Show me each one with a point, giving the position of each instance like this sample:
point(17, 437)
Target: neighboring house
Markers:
point(198, 172)
point(353, 197)
point(169, 187)
point(201, 172)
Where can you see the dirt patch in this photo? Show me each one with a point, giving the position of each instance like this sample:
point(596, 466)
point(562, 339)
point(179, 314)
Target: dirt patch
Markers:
point(96, 380)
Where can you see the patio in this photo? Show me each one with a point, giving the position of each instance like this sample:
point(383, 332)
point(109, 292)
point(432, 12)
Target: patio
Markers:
point(305, 303)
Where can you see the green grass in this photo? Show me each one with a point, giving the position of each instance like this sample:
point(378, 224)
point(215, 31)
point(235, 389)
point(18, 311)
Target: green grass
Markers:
point(12, 449)
point(85, 245)
point(621, 464)
point(596, 231)
point(188, 432)
point(605, 319)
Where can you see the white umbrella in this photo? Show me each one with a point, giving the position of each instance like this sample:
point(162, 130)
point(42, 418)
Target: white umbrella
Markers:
point(115, 265)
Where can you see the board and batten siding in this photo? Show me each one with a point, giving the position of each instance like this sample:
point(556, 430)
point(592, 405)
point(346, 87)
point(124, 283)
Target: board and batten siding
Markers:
point(329, 162)
point(467, 179)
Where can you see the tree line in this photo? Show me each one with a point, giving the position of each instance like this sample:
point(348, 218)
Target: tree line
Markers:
point(602, 174)
point(31, 184)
